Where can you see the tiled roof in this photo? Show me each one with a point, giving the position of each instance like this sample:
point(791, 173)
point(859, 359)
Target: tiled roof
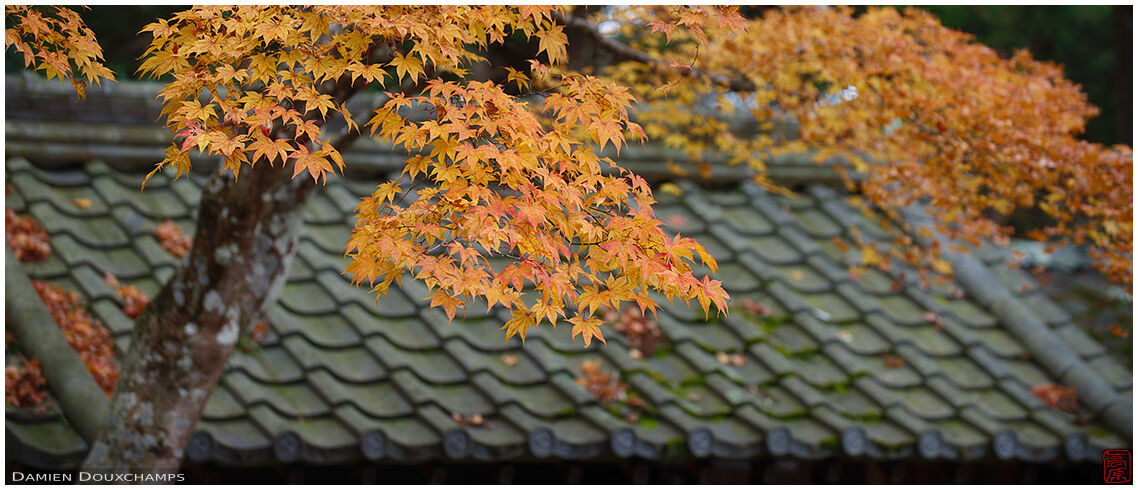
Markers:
point(341, 378)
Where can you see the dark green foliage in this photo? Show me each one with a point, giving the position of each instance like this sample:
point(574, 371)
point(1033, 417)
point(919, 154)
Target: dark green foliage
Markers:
point(1092, 42)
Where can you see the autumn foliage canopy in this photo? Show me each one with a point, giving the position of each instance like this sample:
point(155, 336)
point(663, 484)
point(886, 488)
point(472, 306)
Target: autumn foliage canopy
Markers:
point(506, 198)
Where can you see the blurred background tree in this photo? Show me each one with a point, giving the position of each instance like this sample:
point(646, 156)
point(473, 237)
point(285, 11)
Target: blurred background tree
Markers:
point(1092, 42)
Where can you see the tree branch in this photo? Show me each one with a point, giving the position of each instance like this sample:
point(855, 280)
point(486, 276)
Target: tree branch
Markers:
point(737, 84)
point(345, 139)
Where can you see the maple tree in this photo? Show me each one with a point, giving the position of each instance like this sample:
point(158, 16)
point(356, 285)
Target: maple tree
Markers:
point(507, 197)
point(501, 179)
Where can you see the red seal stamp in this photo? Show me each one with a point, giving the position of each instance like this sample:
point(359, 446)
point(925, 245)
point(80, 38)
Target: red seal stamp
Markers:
point(1116, 466)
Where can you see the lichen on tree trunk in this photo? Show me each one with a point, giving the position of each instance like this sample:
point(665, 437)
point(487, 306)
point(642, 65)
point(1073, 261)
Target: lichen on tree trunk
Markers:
point(246, 236)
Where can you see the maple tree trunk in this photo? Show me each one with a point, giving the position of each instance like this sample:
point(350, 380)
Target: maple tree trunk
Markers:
point(246, 237)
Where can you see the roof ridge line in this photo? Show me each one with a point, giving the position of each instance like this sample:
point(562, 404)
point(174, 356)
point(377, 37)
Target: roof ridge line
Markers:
point(645, 161)
point(81, 400)
point(1044, 345)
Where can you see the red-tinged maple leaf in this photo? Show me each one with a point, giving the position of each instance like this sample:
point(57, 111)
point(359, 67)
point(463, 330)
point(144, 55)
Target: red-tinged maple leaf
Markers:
point(539, 70)
point(661, 25)
point(190, 135)
point(730, 18)
point(707, 259)
point(712, 292)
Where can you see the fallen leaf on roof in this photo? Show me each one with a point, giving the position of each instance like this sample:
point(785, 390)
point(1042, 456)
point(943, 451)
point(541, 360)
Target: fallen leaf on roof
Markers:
point(1057, 396)
point(842, 245)
point(670, 188)
point(634, 400)
point(704, 170)
point(134, 300)
point(642, 333)
point(1119, 332)
point(677, 221)
point(509, 360)
point(845, 336)
point(257, 333)
point(893, 361)
point(602, 385)
point(755, 308)
point(676, 169)
point(82, 202)
point(172, 238)
point(90, 339)
point(474, 419)
point(25, 386)
point(27, 237)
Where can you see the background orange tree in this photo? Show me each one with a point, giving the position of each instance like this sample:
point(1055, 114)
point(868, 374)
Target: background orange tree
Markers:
point(504, 166)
